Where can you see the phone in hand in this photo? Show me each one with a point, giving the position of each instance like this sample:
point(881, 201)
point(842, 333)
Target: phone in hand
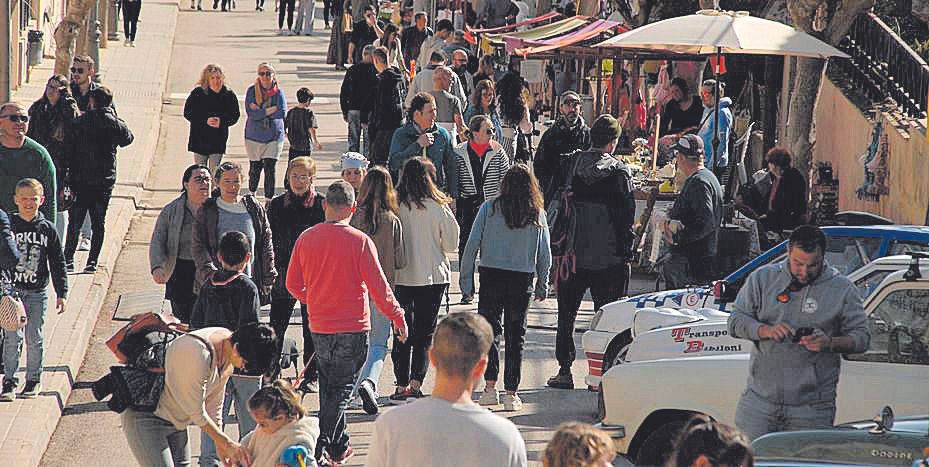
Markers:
point(802, 332)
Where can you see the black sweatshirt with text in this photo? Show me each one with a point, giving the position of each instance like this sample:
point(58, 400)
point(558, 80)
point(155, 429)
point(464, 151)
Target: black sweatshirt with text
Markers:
point(42, 257)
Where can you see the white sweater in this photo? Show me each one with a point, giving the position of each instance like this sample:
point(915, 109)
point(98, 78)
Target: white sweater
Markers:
point(428, 236)
point(267, 448)
point(194, 387)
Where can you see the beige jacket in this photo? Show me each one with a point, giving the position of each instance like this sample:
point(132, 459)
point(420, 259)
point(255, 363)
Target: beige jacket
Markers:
point(388, 238)
point(428, 236)
point(266, 449)
point(194, 387)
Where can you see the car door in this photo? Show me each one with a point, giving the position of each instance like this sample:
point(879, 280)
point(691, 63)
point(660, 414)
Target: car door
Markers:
point(895, 369)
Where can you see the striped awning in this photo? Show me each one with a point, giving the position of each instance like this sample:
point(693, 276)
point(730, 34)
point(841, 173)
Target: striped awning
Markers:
point(542, 32)
point(527, 47)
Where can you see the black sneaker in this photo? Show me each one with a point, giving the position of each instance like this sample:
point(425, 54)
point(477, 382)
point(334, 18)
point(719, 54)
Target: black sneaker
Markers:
point(31, 390)
point(90, 268)
point(69, 266)
point(563, 380)
point(466, 299)
point(9, 391)
point(308, 386)
point(368, 397)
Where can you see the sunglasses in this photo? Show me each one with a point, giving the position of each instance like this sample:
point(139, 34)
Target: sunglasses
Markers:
point(489, 132)
point(266, 73)
point(784, 296)
point(571, 103)
point(203, 179)
point(16, 118)
point(77, 70)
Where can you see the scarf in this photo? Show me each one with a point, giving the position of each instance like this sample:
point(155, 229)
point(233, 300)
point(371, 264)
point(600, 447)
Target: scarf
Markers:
point(263, 97)
point(479, 149)
point(308, 201)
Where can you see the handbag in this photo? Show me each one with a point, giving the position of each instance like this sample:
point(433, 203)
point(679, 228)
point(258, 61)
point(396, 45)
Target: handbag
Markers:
point(346, 22)
point(12, 310)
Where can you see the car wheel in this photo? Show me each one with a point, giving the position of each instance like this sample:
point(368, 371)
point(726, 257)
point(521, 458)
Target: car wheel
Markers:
point(615, 355)
point(657, 448)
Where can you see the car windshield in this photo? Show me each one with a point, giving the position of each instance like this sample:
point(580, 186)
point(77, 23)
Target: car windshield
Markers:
point(899, 329)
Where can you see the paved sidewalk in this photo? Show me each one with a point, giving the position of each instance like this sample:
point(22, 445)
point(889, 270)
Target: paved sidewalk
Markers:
point(137, 77)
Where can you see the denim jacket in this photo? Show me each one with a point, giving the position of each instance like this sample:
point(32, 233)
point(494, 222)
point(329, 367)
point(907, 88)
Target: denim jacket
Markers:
point(403, 146)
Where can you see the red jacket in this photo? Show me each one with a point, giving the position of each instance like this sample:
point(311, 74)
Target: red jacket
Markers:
point(332, 268)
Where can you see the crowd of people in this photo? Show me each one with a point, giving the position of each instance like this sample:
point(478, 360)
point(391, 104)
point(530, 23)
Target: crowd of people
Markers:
point(439, 162)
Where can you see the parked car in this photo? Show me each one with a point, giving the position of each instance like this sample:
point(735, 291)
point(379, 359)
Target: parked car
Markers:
point(881, 441)
point(646, 402)
point(849, 249)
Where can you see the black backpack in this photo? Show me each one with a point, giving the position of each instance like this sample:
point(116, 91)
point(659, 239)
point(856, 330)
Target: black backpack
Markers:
point(562, 224)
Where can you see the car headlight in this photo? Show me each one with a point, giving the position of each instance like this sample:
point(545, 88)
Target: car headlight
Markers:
point(596, 320)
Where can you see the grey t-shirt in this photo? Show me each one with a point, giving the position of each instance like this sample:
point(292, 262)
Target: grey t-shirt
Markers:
point(446, 106)
point(235, 218)
point(437, 433)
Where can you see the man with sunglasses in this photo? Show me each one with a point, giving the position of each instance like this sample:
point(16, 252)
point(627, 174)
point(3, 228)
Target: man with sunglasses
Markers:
point(21, 157)
point(801, 315)
point(82, 80)
point(568, 134)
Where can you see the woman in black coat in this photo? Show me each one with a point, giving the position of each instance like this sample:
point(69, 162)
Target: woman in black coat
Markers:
point(211, 109)
point(786, 203)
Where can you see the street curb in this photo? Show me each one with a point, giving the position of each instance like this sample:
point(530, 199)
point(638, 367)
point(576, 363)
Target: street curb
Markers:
point(33, 422)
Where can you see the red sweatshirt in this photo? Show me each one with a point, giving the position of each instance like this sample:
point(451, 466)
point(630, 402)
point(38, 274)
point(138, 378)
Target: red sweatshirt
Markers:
point(332, 268)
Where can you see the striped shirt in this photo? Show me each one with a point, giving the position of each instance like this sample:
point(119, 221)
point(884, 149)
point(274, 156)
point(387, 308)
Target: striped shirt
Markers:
point(496, 163)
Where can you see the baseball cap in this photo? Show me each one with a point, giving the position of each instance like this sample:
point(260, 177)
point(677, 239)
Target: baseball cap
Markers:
point(606, 125)
point(565, 96)
point(689, 146)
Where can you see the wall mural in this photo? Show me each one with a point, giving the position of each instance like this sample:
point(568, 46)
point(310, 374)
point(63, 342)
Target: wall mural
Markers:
point(874, 162)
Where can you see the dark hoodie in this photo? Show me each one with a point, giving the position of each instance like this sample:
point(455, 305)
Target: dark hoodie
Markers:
point(289, 215)
point(41, 257)
point(226, 303)
point(95, 136)
point(562, 138)
point(605, 209)
point(357, 90)
point(50, 126)
point(387, 108)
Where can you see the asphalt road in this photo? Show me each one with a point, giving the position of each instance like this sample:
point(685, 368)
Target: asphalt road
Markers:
point(88, 434)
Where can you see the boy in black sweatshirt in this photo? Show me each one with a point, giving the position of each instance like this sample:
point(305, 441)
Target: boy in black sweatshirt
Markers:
point(230, 299)
point(38, 241)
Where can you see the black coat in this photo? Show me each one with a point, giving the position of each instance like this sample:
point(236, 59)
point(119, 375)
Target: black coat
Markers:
point(95, 135)
point(387, 104)
point(203, 104)
point(50, 126)
point(289, 216)
point(789, 204)
point(358, 89)
point(557, 141)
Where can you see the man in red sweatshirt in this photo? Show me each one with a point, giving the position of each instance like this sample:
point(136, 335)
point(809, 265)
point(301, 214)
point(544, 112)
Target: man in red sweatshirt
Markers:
point(332, 268)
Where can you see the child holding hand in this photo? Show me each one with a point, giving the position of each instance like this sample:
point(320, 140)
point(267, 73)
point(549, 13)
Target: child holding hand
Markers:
point(283, 424)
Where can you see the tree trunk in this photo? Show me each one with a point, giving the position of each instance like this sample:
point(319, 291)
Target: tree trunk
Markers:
point(67, 31)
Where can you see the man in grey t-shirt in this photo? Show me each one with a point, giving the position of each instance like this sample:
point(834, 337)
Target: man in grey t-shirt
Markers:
point(408, 436)
point(448, 108)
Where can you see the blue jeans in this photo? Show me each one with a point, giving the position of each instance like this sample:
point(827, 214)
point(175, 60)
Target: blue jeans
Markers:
point(356, 133)
point(756, 416)
point(35, 302)
point(239, 389)
point(154, 441)
point(340, 358)
point(377, 348)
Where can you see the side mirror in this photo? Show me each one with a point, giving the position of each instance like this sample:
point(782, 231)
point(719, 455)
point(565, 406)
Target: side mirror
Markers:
point(724, 291)
point(884, 421)
point(913, 273)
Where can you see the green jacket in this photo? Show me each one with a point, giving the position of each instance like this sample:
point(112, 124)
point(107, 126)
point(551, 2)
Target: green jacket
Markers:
point(30, 160)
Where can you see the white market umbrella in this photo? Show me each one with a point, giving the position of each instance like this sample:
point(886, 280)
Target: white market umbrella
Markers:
point(711, 32)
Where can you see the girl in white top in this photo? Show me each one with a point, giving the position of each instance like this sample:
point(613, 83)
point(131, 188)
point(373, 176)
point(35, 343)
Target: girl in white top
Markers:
point(282, 425)
point(391, 41)
point(430, 232)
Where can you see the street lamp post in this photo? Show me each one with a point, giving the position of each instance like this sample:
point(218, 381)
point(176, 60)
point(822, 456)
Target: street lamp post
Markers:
point(112, 20)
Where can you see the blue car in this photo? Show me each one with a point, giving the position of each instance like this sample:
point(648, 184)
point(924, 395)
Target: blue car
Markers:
point(849, 248)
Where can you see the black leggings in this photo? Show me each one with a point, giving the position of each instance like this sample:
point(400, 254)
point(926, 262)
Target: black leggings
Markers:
point(91, 200)
point(327, 10)
point(254, 173)
point(421, 304)
point(131, 12)
point(289, 6)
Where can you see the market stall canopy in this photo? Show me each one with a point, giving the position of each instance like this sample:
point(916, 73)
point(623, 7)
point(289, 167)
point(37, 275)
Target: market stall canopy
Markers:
point(541, 32)
point(510, 27)
point(526, 47)
point(713, 31)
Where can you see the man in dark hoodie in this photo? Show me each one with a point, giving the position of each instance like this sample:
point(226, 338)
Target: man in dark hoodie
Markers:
point(230, 299)
point(568, 134)
point(387, 107)
point(604, 210)
point(801, 315)
point(355, 98)
point(95, 136)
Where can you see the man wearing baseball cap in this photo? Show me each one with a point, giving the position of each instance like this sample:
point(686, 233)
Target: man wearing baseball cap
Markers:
point(693, 223)
point(568, 134)
point(604, 209)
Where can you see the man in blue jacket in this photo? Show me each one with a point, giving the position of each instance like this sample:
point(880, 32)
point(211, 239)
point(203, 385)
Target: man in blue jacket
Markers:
point(423, 137)
point(716, 158)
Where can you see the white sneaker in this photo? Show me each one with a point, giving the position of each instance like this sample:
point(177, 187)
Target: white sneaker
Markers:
point(490, 396)
point(126, 43)
point(131, 43)
point(355, 404)
point(512, 403)
point(84, 244)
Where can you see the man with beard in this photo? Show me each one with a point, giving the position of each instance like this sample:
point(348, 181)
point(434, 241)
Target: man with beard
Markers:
point(412, 38)
point(387, 108)
point(801, 314)
point(460, 67)
point(568, 134)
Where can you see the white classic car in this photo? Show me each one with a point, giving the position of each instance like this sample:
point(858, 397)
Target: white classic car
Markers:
point(615, 327)
point(647, 401)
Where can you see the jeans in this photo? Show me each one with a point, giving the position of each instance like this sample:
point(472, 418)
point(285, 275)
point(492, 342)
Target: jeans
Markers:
point(281, 309)
point(238, 390)
point(680, 270)
point(210, 160)
point(286, 8)
point(154, 441)
point(606, 285)
point(505, 294)
point(35, 302)
point(357, 132)
point(377, 348)
point(340, 358)
point(421, 304)
point(306, 14)
point(93, 200)
point(131, 12)
point(756, 416)
point(254, 174)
